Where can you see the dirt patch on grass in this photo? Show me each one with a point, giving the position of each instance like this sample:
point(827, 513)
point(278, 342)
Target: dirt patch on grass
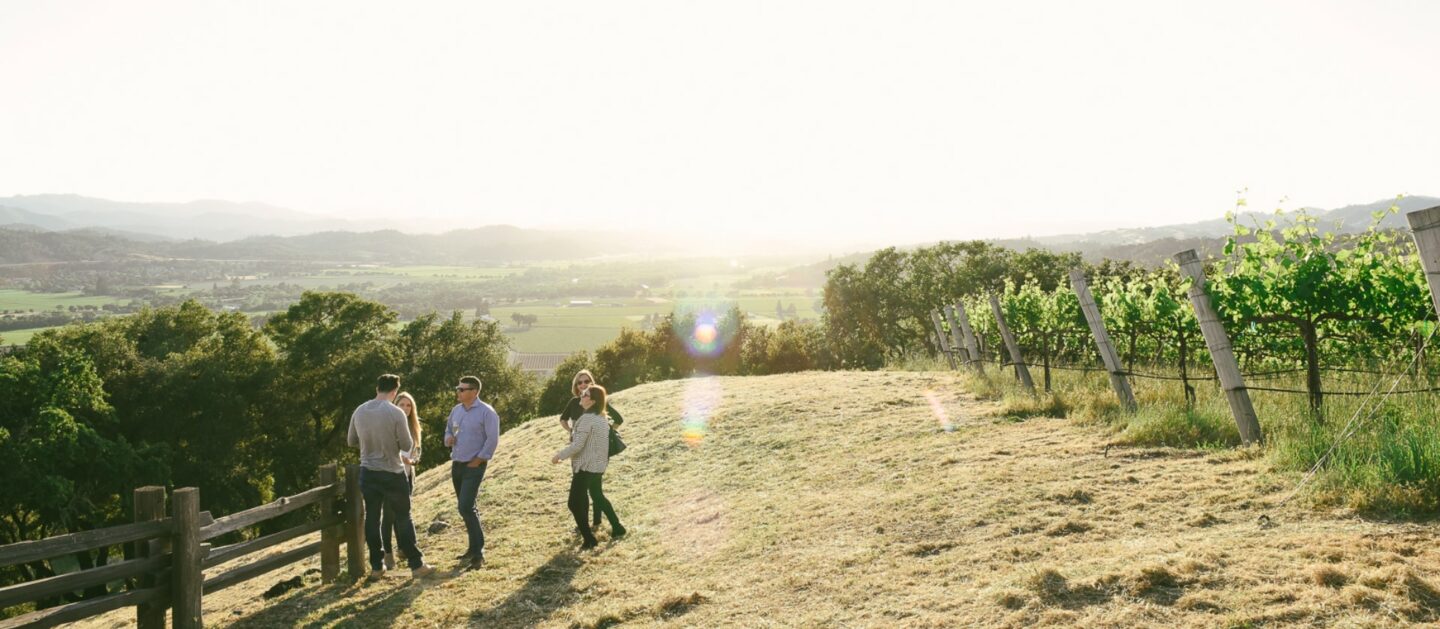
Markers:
point(832, 499)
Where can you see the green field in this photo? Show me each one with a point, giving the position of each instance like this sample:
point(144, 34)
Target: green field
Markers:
point(562, 328)
point(11, 299)
point(412, 273)
point(20, 337)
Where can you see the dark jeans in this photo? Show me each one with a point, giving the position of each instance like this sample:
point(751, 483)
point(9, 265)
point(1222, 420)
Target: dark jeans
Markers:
point(387, 523)
point(585, 486)
point(388, 492)
point(466, 480)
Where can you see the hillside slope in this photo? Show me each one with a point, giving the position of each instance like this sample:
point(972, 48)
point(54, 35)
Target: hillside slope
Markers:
point(839, 500)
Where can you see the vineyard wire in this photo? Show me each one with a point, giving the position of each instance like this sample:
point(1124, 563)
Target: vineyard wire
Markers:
point(1352, 425)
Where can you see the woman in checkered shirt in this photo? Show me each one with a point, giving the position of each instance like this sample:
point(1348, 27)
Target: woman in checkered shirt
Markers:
point(589, 454)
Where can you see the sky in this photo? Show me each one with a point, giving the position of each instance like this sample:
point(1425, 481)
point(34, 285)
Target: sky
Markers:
point(820, 122)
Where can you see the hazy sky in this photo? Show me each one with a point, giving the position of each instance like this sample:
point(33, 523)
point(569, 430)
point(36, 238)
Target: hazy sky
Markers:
point(877, 122)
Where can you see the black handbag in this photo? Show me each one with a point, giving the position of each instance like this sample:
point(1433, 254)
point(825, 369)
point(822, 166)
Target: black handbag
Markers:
point(617, 445)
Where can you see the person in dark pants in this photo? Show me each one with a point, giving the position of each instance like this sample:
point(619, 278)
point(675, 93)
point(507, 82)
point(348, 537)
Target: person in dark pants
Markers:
point(472, 432)
point(589, 451)
point(406, 402)
point(572, 411)
point(378, 428)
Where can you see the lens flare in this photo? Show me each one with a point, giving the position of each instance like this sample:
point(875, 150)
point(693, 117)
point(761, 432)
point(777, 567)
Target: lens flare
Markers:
point(706, 338)
point(938, 410)
point(700, 401)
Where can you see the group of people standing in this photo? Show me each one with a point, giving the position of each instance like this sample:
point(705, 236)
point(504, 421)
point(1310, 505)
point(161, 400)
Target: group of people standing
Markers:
point(387, 431)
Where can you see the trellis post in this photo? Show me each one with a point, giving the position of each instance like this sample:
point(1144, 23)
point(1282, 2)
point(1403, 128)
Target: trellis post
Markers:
point(957, 339)
point(1021, 371)
point(1427, 239)
point(940, 339)
point(971, 345)
point(1218, 342)
point(1102, 340)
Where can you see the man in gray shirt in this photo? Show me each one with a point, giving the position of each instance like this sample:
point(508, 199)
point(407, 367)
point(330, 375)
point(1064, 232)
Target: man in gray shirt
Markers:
point(380, 430)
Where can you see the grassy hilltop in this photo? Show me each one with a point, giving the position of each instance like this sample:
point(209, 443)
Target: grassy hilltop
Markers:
point(842, 500)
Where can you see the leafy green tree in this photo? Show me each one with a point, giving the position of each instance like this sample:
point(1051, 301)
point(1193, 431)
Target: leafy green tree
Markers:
point(556, 392)
point(331, 346)
point(627, 360)
point(435, 353)
point(794, 347)
point(69, 467)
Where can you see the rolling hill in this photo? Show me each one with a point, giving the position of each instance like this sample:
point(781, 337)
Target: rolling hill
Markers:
point(879, 499)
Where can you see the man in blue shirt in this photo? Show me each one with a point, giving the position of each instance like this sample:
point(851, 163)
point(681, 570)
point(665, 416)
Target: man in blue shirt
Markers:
point(472, 431)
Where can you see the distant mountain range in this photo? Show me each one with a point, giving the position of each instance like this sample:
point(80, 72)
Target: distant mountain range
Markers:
point(205, 220)
point(1152, 245)
point(468, 247)
point(58, 227)
point(1348, 219)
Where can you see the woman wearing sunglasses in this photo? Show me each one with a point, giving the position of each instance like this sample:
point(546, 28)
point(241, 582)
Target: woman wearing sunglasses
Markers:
point(572, 412)
point(589, 451)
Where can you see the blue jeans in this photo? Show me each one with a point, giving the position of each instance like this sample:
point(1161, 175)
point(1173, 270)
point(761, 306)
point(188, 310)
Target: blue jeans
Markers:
point(388, 492)
point(387, 523)
point(466, 480)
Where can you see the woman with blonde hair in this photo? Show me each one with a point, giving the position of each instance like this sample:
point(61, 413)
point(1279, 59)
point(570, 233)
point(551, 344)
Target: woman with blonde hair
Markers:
point(572, 412)
point(589, 451)
point(406, 402)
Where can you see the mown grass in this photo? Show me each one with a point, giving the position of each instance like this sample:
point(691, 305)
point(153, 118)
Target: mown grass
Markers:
point(1383, 456)
point(875, 499)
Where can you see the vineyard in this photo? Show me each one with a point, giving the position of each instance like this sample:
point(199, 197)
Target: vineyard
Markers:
point(1328, 336)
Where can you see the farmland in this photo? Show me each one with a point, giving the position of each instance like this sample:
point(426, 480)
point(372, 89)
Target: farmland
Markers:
point(624, 293)
point(565, 328)
point(19, 300)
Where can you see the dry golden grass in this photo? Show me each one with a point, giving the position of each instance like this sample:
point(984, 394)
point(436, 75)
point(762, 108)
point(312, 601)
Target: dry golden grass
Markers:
point(842, 500)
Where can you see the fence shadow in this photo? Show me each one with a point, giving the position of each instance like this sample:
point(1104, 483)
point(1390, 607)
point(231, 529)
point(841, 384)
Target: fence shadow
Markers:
point(358, 607)
point(546, 589)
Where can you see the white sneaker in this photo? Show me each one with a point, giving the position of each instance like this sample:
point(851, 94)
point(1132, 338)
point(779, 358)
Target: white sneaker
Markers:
point(423, 571)
point(389, 561)
point(375, 575)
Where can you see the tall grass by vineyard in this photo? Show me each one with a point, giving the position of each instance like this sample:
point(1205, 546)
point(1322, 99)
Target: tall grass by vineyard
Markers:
point(1387, 464)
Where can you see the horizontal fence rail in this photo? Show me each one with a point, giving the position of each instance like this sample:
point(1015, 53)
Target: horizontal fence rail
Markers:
point(171, 556)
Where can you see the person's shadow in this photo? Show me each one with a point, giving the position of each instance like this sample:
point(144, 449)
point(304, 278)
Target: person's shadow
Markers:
point(547, 589)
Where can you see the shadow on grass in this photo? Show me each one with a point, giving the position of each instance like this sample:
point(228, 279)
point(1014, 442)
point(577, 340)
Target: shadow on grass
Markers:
point(358, 608)
point(546, 589)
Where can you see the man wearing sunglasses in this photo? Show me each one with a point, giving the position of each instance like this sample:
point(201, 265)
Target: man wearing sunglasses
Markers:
point(472, 431)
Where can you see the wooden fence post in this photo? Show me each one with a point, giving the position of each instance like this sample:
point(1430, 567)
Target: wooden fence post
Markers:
point(1102, 340)
point(354, 524)
point(330, 535)
point(1427, 240)
point(957, 339)
point(971, 345)
point(1021, 371)
point(187, 581)
point(1218, 342)
point(149, 506)
point(943, 344)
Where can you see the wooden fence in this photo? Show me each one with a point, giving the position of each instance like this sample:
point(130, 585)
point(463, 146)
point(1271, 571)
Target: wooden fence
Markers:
point(174, 566)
